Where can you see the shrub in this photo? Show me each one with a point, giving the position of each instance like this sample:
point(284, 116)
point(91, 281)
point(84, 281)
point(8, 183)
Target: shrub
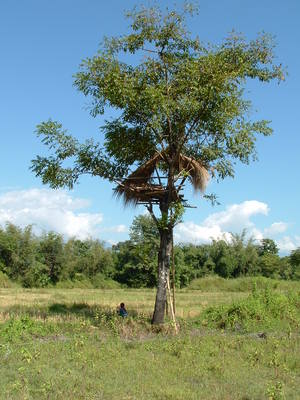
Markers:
point(23, 327)
point(36, 276)
point(261, 309)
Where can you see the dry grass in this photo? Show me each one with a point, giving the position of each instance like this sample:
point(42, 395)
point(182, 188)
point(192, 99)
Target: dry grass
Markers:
point(188, 303)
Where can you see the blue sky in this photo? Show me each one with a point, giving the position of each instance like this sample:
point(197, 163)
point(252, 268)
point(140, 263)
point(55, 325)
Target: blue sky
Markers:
point(42, 44)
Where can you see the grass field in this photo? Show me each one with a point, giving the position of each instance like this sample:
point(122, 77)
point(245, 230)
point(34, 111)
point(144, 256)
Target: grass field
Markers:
point(70, 344)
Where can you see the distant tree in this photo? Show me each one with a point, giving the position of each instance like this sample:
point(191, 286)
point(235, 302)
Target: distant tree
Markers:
point(182, 116)
point(244, 252)
point(74, 252)
point(137, 258)
point(51, 254)
point(132, 266)
point(184, 273)
point(295, 263)
point(37, 275)
point(98, 260)
point(267, 246)
point(270, 265)
point(144, 232)
point(286, 269)
point(88, 257)
point(222, 257)
point(198, 260)
point(17, 250)
point(6, 252)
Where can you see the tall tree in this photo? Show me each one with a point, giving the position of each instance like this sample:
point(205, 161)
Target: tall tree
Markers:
point(182, 117)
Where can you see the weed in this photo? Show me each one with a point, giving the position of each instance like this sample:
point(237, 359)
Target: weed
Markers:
point(255, 357)
point(275, 391)
point(21, 327)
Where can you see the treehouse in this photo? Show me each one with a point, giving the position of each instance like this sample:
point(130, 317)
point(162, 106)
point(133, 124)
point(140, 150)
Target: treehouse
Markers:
point(145, 185)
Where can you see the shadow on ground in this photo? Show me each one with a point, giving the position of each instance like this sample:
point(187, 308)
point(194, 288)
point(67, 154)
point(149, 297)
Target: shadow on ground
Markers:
point(94, 313)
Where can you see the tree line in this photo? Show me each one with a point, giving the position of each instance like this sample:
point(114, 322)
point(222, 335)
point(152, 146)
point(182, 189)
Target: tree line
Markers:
point(48, 259)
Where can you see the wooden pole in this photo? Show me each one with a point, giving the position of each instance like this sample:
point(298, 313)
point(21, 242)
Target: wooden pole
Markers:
point(173, 275)
point(171, 307)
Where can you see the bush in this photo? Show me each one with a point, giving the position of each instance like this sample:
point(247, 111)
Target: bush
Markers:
point(265, 308)
point(22, 328)
point(36, 276)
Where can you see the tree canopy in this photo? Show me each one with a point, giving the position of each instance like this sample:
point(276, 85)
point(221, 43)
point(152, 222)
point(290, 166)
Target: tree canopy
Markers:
point(177, 94)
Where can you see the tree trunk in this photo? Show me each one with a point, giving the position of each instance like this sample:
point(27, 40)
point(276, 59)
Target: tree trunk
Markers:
point(164, 258)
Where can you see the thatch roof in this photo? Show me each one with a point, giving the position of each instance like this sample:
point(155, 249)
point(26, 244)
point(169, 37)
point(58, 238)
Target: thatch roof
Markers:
point(198, 173)
point(138, 186)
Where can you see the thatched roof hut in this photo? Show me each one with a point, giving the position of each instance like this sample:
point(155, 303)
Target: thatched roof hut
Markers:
point(139, 186)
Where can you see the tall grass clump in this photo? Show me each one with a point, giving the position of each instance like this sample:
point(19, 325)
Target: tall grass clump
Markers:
point(5, 282)
point(262, 309)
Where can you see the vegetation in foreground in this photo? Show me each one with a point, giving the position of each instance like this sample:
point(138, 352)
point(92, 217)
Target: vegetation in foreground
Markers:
point(71, 344)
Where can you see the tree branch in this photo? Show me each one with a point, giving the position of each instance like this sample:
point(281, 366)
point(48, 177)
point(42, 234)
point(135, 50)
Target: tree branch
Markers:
point(150, 209)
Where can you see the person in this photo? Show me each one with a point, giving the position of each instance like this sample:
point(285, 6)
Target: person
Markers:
point(122, 310)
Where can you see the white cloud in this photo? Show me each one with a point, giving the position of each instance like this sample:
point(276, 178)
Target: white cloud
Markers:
point(235, 218)
point(193, 233)
point(275, 228)
point(112, 242)
point(116, 229)
point(49, 210)
point(255, 233)
point(287, 244)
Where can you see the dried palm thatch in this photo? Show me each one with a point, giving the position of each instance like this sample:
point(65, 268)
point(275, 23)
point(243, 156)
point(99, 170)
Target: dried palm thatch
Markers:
point(138, 186)
point(198, 174)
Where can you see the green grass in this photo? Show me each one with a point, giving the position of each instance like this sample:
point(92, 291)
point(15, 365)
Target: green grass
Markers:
point(70, 344)
point(215, 283)
point(99, 281)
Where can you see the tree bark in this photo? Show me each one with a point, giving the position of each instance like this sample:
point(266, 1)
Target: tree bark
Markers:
point(164, 259)
point(166, 244)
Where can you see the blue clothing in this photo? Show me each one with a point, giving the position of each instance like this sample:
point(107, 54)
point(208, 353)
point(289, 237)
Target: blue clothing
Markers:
point(123, 313)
